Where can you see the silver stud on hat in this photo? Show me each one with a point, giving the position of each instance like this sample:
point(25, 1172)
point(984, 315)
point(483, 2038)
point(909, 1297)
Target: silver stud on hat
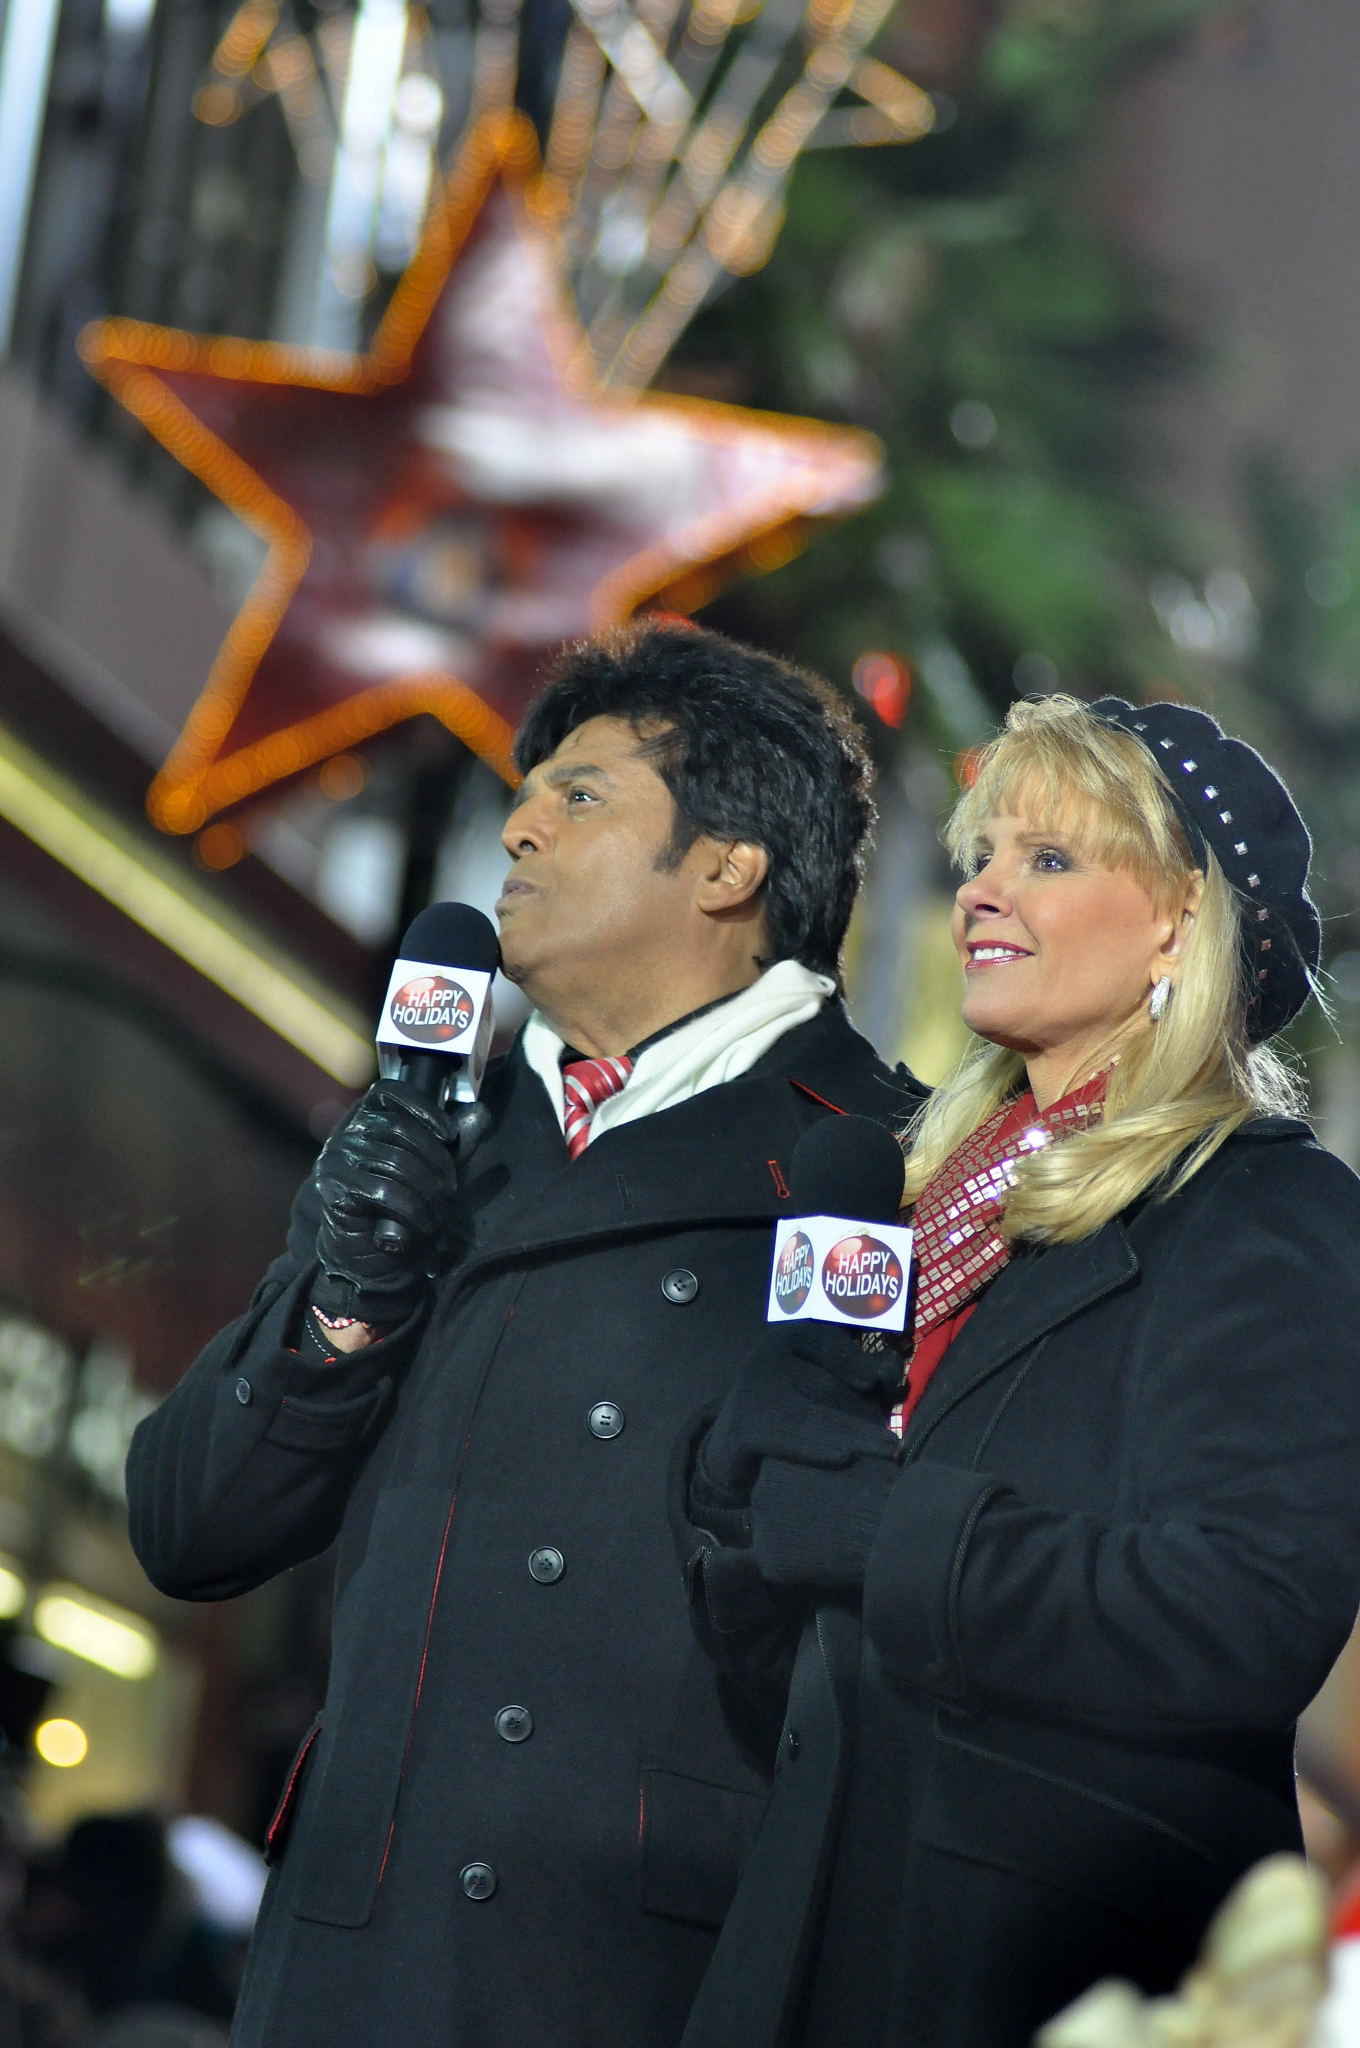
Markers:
point(1247, 855)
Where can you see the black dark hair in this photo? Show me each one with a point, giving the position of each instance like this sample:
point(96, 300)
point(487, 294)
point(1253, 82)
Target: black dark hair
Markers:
point(749, 747)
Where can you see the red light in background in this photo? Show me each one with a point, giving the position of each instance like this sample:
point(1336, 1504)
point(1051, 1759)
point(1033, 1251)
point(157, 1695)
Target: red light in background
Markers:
point(884, 681)
point(966, 767)
point(221, 846)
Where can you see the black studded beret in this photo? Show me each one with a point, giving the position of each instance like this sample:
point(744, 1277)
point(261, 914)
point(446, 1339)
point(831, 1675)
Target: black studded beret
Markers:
point(1230, 801)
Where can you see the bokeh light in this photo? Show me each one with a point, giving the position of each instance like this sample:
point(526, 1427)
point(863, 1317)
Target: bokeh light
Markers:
point(884, 682)
point(221, 846)
point(342, 777)
point(61, 1743)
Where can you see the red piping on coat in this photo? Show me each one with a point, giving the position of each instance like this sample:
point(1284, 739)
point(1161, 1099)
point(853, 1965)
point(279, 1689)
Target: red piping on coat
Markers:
point(819, 1098)
point(424, 1660)
point(282, 1810)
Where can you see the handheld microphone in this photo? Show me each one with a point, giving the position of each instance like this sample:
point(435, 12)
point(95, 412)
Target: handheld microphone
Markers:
point(843, 1258)
point(434, 1030)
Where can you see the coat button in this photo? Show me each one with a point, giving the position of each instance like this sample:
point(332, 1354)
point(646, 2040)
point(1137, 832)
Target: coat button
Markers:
point(478, 1880)
point(546, 1565)
point(791, 1743)
point(605, 1419)
point(243, 1392)
point(680, 1285)
point(514, 1724)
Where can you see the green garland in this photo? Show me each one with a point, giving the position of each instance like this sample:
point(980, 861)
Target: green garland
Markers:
point(962, 298)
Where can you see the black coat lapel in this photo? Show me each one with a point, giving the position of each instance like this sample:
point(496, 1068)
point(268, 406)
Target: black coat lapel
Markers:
point(1039, 1290)
point(715, 1157)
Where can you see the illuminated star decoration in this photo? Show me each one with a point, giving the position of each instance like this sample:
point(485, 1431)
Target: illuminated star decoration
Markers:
point(444, 511)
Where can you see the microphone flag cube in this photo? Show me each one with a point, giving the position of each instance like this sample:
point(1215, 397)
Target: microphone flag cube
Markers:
point(840, 1269)
point(439, 1009)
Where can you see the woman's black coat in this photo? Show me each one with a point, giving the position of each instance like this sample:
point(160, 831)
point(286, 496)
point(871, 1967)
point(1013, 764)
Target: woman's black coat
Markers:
point(523, 1811)
point(1121, 1555)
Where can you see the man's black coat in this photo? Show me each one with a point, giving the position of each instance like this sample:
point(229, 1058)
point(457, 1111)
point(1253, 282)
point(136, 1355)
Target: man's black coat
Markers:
point(1119, 1558)
point(522, 1816)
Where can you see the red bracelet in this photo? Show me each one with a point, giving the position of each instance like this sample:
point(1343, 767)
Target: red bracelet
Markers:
point(335, 1322)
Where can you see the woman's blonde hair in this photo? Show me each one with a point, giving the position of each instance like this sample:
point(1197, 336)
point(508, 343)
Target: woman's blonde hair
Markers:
point(1179, 1087)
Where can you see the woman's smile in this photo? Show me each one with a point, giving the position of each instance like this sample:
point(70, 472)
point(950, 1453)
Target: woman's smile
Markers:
point(988, 953)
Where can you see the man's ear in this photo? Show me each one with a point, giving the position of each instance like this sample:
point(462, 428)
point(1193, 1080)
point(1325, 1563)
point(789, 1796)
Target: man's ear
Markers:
point(731, 875)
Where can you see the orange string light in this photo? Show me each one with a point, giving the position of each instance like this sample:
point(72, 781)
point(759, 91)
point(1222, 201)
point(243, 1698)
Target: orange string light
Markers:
point(763, 529)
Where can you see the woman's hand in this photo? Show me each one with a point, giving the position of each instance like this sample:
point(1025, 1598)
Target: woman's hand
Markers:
point(811, 1394)
point(816, 1528)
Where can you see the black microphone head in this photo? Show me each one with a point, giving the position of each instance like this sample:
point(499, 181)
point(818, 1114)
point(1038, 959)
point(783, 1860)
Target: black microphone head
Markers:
point(847, 1166)
point(453, 935)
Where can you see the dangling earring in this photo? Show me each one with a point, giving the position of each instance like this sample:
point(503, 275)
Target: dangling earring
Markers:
point(1160, 997)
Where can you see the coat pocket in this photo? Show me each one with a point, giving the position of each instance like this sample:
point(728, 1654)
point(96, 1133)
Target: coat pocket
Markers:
point(994, 1810)
point(277, 1833)
point(692, 1840)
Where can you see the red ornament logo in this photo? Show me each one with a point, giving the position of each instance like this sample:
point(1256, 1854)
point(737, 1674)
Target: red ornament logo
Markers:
point(431, 1009)
point(793, 1273)
point(862, 1276)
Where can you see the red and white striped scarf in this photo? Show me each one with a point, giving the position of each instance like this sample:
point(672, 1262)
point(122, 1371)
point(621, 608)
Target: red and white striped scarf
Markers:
point(585, 1085)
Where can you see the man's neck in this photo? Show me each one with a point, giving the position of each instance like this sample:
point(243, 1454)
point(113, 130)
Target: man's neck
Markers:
point(596, 1034)
point(641, 1045)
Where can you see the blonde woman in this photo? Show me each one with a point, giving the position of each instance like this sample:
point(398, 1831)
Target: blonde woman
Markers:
point(1038, 1668)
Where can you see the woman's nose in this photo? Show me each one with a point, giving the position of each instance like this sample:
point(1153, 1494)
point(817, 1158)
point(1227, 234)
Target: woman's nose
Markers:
point(983, 893)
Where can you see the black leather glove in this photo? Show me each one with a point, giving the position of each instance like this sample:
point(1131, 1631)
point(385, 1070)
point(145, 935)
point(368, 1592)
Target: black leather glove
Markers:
point(816, 1528)
point(811, 1393)
point(387, 1179)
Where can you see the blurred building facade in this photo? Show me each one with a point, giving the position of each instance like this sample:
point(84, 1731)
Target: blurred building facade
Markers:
point(174, 1039)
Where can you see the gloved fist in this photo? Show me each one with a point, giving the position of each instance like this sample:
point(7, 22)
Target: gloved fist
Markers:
point(816, 1529)
point(810, 1393)
point(387, 1179)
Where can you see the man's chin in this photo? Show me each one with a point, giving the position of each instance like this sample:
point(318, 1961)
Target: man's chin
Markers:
point(518, 959)
point(512, 969)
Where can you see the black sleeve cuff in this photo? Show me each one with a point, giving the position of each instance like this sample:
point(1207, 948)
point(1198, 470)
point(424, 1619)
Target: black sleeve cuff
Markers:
point(914, 1578)
point(717, 1510)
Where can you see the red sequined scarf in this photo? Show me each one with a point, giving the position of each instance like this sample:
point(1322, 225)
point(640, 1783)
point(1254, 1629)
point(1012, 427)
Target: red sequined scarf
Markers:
point(958, 1246)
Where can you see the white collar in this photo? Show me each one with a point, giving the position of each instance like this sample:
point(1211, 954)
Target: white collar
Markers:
point(718, 1046)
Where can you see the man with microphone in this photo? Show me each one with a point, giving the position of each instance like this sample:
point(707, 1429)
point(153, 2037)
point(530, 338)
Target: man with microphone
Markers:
point(519, 1819)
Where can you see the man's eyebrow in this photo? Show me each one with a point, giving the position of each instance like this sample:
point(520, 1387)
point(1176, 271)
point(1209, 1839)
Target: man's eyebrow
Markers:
point(572, 771)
